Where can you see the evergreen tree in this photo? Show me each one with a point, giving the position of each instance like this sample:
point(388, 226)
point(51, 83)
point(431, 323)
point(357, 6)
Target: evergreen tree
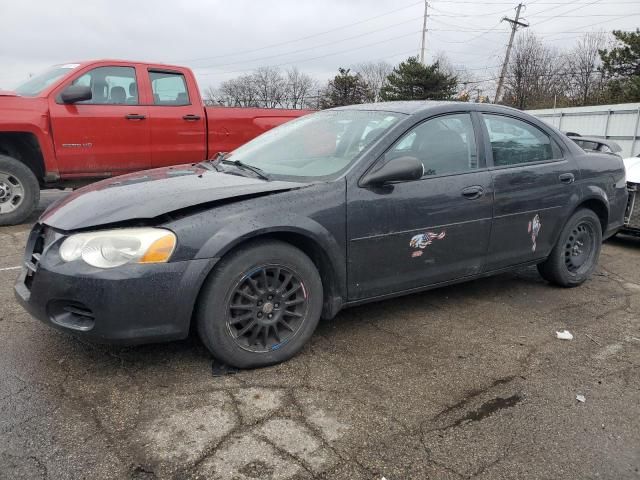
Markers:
point(411, 80)
point(622, 65)
point(346, 88)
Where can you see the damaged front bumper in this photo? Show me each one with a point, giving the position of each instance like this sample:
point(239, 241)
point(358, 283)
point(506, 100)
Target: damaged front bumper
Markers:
point(129, 304)
point(632, 213)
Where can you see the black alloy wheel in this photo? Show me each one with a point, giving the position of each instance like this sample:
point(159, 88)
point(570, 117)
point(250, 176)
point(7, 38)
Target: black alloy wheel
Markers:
point(266, 308)
point(260, 304)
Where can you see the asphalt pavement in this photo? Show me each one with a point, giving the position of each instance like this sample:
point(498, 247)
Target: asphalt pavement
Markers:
point(467, 381)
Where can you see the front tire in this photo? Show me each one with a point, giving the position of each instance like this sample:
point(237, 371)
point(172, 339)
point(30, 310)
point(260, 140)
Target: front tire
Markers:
point(19, 191)
point(575, 255)
point(261, 305)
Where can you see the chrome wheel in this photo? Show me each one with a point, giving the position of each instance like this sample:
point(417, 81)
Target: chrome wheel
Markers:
point(11, 193)
point(266, 308)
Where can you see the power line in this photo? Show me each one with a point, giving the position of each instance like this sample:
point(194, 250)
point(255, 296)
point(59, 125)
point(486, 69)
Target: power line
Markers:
point(320, 56)
point(257, 59)
point(452, 14)
point(537, 3)
point(564, 13)
point(588, 16)
point(306, 37)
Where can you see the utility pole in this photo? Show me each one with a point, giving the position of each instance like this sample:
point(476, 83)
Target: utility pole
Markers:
point(424, 32)
point(515, 23)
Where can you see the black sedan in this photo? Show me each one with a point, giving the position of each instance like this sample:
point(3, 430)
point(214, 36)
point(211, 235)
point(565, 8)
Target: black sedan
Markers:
point(335, 209)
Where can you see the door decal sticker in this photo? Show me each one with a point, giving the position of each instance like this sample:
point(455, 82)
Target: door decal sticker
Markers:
point(534, 230)
point(423, 240)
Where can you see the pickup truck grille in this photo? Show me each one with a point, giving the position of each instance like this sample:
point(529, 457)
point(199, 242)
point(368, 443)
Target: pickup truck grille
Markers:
point(632, 215)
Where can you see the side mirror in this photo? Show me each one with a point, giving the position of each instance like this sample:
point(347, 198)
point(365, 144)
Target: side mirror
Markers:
point(76, 93)
point(402, 169)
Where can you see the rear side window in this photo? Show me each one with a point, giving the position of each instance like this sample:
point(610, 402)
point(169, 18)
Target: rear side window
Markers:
point(444, 145)
point(514, 142)
point(110, 86)
point(169, 88)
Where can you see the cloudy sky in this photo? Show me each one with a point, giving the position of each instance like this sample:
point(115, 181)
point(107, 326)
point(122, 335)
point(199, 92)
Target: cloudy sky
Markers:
point(221, 39)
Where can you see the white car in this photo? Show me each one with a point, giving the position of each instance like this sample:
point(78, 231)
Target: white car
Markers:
point(632, 215)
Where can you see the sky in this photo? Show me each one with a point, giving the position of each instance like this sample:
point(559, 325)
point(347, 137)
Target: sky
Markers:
point(221, 39)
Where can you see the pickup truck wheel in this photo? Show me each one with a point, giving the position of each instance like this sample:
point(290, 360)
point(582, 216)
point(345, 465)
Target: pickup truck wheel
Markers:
point(575, 256)
point(19, 191)
point(260, 306)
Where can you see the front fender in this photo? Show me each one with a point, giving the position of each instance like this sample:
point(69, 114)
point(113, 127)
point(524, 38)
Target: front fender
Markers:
point(31, 116)
point(237, 232)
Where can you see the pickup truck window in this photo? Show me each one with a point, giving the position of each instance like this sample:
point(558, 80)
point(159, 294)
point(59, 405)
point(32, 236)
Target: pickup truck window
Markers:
point(317, 146)
point(169, 88)
point(110, 86)
point(514, 142)
point(37, 84)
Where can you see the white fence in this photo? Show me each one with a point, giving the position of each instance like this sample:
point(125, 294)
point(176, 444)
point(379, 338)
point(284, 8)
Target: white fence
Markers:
point(619, 123)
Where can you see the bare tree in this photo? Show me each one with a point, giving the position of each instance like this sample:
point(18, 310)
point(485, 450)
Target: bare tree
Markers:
point(374, 75)
point(270, 86)
point(463, 76)
point(534, 75)
point(584, 81)
point(238, 92)
point(210, 96)
point(299, 87)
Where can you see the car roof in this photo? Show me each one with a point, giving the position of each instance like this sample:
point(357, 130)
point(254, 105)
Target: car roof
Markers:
point(421, 106)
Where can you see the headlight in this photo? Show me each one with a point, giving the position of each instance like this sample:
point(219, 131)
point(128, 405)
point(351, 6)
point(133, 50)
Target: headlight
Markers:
point(112, 248)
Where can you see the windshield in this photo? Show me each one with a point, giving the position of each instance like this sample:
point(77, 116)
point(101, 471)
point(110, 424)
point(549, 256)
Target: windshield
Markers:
point(317, 146)
point(37, 84)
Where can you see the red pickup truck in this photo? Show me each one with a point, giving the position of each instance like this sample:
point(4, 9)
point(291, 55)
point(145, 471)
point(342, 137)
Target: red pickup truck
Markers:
point(80, 122)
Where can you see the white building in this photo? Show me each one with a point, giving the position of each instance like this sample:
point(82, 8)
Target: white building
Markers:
point(619, 123)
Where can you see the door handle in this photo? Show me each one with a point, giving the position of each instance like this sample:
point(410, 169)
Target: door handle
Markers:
point(191, 118)
point(567, 178)
point(471, 193)
point(135, 116)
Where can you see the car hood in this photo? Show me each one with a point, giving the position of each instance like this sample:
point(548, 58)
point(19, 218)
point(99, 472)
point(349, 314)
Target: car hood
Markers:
point(151, 193)
point(632, 167)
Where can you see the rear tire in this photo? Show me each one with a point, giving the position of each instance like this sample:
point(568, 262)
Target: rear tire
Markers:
point(575, 255)
point(261, 305)
point(19, 191)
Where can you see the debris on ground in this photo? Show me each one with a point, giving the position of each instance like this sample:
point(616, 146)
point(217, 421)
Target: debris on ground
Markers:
point(593, 339)
point(564, 335)
point(581, 398)
point(220, 369)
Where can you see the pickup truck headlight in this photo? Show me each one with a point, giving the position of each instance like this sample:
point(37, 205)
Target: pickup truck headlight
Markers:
point(113, 248)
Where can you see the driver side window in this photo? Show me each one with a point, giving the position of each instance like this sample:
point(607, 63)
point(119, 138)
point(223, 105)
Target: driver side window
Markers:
point(444, 145)
point(110, 86)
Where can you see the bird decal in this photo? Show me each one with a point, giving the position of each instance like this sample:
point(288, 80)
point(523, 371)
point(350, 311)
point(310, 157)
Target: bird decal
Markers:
point(534, 230)
point(423, 240)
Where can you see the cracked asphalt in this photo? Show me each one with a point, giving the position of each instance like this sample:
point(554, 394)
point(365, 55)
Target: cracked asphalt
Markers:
point(462, 382)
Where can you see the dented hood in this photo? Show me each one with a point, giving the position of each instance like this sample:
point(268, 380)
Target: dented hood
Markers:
point(151, 193)
point(632, 168)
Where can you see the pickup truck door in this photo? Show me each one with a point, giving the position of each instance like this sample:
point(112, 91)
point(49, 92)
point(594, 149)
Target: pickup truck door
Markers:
point(106, 135)
point(177, 119)
point(533, 183)
point(409, 235)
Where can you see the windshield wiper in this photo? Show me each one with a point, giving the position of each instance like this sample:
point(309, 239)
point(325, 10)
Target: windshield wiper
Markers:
point(245, 166)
